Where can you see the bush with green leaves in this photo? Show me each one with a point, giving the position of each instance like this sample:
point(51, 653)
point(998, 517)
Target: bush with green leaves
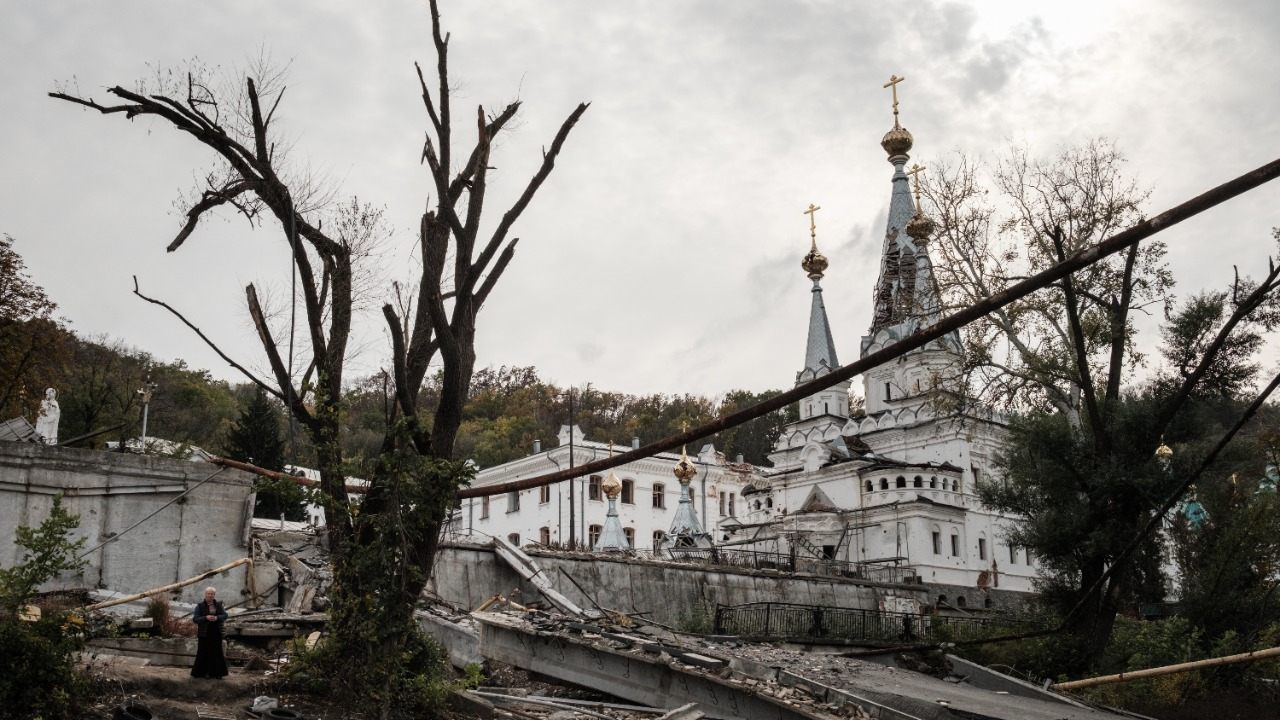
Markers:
point(39, 679)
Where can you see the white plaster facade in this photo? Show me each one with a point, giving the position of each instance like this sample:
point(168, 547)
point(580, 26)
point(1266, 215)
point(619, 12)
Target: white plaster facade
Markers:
point(646, 506)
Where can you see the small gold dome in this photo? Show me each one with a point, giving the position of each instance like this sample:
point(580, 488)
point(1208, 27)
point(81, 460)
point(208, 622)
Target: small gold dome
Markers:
point(685, 469)
point(815, 263)
point(897, 142)
point(1164, 452)
point(611, 486)
point(920, 227)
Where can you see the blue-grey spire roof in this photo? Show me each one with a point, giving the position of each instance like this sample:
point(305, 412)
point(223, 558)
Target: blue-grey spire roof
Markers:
point(820, 350)
point(612, 537)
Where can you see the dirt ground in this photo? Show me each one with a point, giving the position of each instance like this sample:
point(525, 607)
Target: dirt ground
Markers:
point(172, 694)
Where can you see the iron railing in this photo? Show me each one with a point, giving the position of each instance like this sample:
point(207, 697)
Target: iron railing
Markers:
point(760, 560)
point(788, 620)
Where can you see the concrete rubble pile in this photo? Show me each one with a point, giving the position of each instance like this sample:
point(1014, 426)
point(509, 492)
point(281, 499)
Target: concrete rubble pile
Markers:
point(724, 677)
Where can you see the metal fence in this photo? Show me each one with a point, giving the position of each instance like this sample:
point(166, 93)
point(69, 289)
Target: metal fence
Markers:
point(786, 620)
point(759, 560)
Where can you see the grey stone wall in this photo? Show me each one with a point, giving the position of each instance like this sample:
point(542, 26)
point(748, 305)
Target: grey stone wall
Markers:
point(671, 593)
point(111, 492)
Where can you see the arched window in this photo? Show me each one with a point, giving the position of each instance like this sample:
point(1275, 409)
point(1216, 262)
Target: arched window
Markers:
point(631, 536)
point(900, 482)
point(933, 482)
point(757, 505)
point(942, 599)
point(960, 601)
point(870, 486)
point(768, 502)
point(884, 483)
point(593, 534)
point(544, 535)
point(659, 495)
point(514, 539)
point(629, 492)
point(918, 482)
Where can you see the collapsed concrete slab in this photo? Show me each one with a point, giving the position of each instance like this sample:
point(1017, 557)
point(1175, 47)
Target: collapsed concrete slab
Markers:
point(731, 679)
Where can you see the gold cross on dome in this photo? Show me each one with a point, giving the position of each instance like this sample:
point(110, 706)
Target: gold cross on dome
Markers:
point(914, 172)
point(893, 83)
point(813, 224)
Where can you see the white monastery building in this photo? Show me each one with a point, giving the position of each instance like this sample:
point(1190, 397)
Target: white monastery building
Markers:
point(888, 494)
point(647, 499)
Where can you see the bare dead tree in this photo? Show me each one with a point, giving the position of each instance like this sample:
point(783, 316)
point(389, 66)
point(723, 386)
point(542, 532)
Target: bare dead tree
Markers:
point(460, 267)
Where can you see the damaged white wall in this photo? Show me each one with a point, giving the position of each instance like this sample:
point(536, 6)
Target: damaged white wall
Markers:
point(111, 492)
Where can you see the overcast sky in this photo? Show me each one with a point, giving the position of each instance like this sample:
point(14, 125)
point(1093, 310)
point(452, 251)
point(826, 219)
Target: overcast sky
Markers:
point(663, 253)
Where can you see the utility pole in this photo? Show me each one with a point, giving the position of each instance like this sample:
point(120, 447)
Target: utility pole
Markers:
point(573, 512)
point(573, 523)
point(144, 392)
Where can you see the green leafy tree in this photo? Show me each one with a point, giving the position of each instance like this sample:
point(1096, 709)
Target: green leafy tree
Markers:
point(255, 439)
point(1079, 466)
point(1084, 492)
point(40, 678)
point(48, 551)
point(33, 344)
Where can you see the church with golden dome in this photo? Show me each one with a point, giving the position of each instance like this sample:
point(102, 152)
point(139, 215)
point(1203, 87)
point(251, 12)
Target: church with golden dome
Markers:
point(886, 492)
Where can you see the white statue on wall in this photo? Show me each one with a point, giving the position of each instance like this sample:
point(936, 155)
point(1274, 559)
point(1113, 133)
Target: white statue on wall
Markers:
point(47, 422)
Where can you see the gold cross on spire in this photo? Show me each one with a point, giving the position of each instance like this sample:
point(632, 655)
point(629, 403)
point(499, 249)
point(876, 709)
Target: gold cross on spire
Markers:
point(813, 224)
point(893, 83)
point(914, 172)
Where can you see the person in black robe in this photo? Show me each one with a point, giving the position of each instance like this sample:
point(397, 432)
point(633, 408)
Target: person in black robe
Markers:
point(208, 617)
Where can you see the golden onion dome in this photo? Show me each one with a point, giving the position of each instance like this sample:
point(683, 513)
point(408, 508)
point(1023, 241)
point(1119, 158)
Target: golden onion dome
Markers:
point(685, 469)
point(897, 142)
point(920, 227)
point(814, 263)
point(1164, 452)
point(611, 486)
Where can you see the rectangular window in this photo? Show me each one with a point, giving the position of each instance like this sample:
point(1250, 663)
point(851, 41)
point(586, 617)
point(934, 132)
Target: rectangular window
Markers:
point(1027, 554)
point(628, 492)
point(544, 535)
point(1013, 555)
point(631, 536)
point(513, 501)
point(593, 489)
point(659, 495)
point(888, 391)
point(514, 539)
point(593, 535)
point(937, 543)
point(982, 548)
point(484, 507)
point(732, 513)
point(658, 535)
point(544, 494)
point(955, 546)
point(724, 502)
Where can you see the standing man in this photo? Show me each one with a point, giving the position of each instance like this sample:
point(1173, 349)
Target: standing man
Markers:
point(208, 617)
